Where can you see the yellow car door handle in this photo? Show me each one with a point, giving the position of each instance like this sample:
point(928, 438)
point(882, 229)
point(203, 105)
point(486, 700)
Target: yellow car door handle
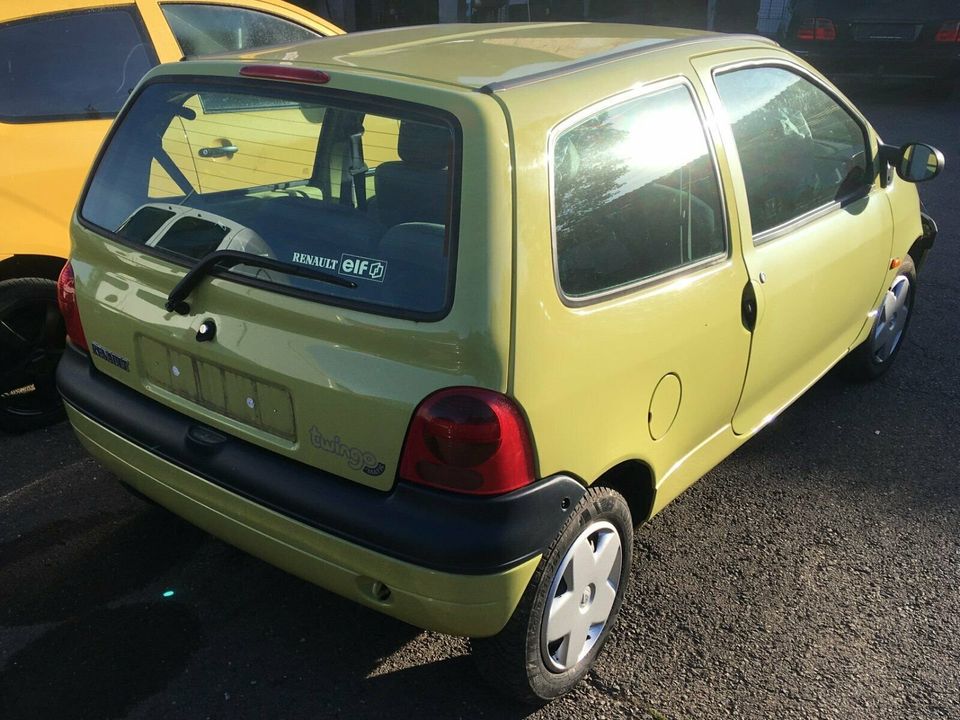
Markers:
point(218, 151)
point(751, 303)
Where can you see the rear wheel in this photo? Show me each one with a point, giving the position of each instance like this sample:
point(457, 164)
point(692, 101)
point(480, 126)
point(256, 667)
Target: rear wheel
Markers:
point(569, 607)
point(31, 342)
point(876, 354)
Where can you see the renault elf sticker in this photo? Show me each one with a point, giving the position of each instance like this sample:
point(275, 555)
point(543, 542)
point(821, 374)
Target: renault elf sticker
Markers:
point(353, 266)
point(366, 268)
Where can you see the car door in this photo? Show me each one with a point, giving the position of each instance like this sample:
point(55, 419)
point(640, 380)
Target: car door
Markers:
point(819, 236)
point(63, 76)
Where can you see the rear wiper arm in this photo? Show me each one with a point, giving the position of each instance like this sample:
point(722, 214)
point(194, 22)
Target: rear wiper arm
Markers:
point(176, 300)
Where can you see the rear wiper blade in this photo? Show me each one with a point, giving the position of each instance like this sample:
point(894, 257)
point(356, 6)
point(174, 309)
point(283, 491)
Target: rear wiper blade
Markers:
point(176, 300)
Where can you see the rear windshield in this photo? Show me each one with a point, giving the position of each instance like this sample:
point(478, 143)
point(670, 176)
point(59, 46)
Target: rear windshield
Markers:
point(352, 197)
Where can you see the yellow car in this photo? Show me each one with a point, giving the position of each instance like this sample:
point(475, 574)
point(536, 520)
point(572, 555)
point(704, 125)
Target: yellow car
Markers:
point(66, 67)
point(435, 317)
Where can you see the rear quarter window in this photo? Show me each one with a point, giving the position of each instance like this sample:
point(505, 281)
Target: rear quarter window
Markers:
point(331, 187)
point(71, 66)
point(636, 195)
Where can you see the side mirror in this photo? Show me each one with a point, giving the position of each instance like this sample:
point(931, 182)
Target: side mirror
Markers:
point(918, 162)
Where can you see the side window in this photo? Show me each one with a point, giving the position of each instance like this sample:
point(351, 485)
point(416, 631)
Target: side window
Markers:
point(635, 194)
point(799, 149)
point(209, 29)
point(71, 66)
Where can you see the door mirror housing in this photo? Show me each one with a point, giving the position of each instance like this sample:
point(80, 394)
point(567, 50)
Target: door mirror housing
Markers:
point(918, 162)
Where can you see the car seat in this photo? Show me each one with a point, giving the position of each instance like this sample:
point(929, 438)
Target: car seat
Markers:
point(415, 188)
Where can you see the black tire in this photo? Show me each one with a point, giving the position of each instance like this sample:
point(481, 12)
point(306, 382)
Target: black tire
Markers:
point(515, 661)
point(868, 362)
point(32, 336)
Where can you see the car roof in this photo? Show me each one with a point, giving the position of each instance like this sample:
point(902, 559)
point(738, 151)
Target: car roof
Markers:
point(489, 56)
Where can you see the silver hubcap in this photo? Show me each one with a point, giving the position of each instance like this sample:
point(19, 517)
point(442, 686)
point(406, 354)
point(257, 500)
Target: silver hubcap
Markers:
point(581, 596)
point(891, 320)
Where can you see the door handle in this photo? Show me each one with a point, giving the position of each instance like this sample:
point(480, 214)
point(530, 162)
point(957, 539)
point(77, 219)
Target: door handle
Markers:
point(218, 151)
point(751, 305)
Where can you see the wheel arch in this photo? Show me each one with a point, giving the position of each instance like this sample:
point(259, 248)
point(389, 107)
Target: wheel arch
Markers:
point(24, 266)
point(634, 480)
point(922, 245)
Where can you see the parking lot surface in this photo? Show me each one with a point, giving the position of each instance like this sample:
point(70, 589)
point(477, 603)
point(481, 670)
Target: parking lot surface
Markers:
point(814, 574)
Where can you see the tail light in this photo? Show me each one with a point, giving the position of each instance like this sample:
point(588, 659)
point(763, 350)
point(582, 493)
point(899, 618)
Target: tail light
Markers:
point(470, 441)
point(67, 300)
point(817, 29)
point(949, 32)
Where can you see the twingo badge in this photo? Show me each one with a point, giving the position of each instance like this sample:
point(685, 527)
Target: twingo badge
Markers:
point(356, 457)
point(101, 352)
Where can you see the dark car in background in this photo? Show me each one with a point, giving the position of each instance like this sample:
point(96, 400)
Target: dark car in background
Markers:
point(919, 41)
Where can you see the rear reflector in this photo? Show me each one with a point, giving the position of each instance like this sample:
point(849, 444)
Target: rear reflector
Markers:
point(817, 29)
point(949, 32)
point(285, 72)
point(67, 300)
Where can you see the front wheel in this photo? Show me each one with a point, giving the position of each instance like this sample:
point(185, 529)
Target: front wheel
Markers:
point(569, 607)
point(876, 354)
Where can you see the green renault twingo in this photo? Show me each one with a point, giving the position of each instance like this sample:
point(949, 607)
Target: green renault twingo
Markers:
point(435, 317)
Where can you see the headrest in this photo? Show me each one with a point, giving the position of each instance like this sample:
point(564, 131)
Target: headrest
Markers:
point(422, 144)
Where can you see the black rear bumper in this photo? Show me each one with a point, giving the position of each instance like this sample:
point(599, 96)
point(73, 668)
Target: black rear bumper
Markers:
point(429, 528)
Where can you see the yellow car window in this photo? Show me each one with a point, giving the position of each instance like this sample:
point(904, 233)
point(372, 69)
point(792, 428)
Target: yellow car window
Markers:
point(87, 74)
point(208, 29)
point(821, 151)
point(636, 194)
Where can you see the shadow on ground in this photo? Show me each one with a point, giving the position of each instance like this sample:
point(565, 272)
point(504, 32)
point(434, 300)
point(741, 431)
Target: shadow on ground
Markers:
point(71, 566)
point(100, 664)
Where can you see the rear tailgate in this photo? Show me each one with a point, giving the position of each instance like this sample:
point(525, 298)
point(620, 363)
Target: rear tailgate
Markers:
point(323, 373)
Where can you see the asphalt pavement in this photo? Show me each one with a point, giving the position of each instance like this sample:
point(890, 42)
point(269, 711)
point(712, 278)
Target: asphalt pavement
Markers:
point(813, 574)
